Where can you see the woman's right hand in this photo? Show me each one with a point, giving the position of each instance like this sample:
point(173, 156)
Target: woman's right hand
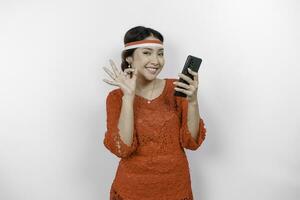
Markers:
point(122, 79)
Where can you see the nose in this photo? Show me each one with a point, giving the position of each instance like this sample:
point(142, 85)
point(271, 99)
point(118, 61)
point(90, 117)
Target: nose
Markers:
point(154, 60)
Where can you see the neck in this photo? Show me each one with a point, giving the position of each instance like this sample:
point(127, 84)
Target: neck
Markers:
point(145, 85)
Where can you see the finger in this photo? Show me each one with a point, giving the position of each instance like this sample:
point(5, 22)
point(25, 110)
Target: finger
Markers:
point(109, 73)
point(187, 92)
point(110, 82)
point(180, 90)
point(135, 72)
point(195, 74)
point(186, 78)
point(114, 67)
point(128, 70)
point(127, 73)
point(184, 85)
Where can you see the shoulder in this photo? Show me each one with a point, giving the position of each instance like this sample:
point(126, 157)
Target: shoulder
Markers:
point(169, 82)
point(116, 91)
point(171, 89)
point(171, 79)
point(114, 95)
point(174, 100)
point(170, 85)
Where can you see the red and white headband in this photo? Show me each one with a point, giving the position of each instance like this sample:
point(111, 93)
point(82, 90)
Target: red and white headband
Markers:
point(143, 43)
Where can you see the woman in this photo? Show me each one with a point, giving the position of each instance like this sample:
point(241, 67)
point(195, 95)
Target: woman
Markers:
point(147, 126)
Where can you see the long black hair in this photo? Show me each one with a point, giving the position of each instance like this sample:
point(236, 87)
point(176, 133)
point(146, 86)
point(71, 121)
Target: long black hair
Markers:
point(136, 34)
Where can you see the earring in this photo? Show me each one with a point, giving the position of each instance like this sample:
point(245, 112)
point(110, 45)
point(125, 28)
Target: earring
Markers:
point(129, 66)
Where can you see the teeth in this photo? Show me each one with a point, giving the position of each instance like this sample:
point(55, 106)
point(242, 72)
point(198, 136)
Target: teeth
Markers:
point(152, 70)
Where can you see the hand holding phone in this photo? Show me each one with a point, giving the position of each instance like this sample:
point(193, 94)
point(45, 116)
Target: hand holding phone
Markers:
point(193, 63)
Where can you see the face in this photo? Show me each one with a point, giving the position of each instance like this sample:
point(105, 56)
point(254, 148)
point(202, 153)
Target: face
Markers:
point(148, 61)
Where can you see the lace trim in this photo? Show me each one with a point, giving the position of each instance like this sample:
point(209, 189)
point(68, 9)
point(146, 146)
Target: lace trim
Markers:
point(114, 143)
point(115, 196)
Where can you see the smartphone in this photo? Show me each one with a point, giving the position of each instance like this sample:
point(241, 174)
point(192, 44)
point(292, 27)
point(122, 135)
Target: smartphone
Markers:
point(193, 63)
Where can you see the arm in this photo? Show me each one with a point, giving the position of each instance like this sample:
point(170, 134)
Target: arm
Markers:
point(193, 119)
point(192, 131)
point(120, 137)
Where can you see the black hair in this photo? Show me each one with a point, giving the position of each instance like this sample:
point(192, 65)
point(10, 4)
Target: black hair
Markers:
point(136, 34)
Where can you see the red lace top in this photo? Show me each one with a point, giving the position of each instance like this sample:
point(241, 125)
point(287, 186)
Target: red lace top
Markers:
point(155, 166)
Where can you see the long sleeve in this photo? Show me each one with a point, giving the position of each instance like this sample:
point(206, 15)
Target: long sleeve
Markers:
point(186, 139)
point(112, 140)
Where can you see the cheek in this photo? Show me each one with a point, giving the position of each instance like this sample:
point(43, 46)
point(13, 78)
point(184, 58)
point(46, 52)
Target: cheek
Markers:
point(162, 61)
point(143, 60)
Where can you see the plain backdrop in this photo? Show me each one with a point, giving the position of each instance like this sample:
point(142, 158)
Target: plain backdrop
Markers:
point(52, 97)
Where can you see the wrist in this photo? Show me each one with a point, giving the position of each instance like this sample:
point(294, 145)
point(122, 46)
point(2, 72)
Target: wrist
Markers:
point(193, 101)
point(129, 98)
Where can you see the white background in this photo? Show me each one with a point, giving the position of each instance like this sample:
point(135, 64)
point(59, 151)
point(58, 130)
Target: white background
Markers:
point(52, 97)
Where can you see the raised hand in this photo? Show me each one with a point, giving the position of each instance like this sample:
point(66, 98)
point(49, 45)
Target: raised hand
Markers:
point(122, 79)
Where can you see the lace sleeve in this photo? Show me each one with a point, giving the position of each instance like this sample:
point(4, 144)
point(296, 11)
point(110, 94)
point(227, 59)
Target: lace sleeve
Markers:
point(186, 139)
point(112, 140)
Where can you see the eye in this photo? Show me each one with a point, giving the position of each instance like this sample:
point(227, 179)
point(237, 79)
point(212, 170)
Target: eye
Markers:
point(161, 54)
point(147, 53)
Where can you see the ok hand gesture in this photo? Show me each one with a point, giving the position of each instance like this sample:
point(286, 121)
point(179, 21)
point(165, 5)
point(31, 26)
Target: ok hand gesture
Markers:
point(122, 79)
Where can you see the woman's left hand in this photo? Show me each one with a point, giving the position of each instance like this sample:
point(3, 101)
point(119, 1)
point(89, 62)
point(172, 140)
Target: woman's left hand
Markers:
point(190, 89)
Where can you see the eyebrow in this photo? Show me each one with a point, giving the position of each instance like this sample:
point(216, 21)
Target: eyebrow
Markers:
point(152, 49)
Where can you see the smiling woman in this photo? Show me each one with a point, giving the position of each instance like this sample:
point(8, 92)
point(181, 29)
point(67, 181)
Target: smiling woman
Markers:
point(147, 126)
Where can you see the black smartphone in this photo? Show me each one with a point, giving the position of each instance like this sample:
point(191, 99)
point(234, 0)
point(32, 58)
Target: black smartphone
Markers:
point(193, 63)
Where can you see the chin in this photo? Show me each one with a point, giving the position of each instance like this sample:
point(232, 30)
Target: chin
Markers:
point(152, 76)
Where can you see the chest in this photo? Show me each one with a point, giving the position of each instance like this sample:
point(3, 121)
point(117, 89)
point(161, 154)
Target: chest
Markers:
point(159, 124)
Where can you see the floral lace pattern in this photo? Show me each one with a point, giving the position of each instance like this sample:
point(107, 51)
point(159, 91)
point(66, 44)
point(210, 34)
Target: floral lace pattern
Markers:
point(155, 164)
point(115, 196)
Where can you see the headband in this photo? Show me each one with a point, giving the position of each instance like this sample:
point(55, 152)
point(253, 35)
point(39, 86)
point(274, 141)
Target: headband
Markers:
point(143, 43)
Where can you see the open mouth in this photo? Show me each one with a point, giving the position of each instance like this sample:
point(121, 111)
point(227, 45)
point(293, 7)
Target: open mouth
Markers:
point(152, 70)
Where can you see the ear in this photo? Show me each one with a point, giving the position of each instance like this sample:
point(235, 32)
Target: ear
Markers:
point(129, 59)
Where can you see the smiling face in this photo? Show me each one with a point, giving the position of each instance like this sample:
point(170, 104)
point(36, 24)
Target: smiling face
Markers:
point(148, 61)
